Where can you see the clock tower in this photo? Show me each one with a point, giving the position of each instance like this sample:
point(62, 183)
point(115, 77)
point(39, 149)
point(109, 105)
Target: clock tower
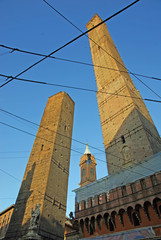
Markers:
point(88, 168)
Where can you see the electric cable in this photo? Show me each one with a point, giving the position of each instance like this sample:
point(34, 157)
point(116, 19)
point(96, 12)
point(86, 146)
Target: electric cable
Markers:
point(26, 120)
point(17, 179)
point(106, 52)
point(75, 61)
point(68, 43)
point(14, 152)
point(66, 147)
point(78, 88)
point(58, 134)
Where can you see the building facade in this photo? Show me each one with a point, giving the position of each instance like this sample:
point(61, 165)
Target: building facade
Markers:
point(127, 203)
point(40, 207)
point(5, 217)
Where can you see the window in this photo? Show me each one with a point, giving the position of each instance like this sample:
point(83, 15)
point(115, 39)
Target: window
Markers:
point(123, 139)
point(124, 193)
point(154, 180)
point(83, 173)
point(108, 196)
point(133, 187)
point(92, 172)
point(143, 183)
point(100, 199)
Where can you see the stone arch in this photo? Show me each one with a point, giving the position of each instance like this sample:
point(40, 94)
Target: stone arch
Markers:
point(137, 211)
point(105, 217)
point(113, 214)
point(121, 212)
point(147, 204)
point(92, 225)
point(129, 213)
point(98, 220)
point(86, 222)
point(82, 225)
point(157, 206)
point(111, 225)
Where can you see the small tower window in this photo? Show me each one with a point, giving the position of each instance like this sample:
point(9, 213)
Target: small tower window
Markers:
point(83, 173)
point(42, 146)
point(92, 172)
point(123, 139)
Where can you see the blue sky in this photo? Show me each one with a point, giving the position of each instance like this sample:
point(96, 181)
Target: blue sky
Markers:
point(33, 26)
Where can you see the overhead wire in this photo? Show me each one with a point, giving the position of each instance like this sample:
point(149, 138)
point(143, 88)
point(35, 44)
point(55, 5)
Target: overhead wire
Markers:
point(17, 179)
point(26, 120)
point(105, 51)
point(68, 43)
point(8, 125)
point(79, 88)
point(77, 62)
point(49, 56)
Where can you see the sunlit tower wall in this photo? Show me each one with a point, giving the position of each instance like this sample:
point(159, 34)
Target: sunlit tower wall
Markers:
point(129, 133)
point(45, 181)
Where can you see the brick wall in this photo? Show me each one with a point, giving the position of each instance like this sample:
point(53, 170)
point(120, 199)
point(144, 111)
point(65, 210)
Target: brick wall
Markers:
point(124, 209)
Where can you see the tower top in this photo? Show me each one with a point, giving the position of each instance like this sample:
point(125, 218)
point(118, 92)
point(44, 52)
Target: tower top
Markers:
point(85, 157)
point(87, 149)
point(93, 21)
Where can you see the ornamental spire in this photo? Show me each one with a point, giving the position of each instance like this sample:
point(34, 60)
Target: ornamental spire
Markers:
point(87, 149)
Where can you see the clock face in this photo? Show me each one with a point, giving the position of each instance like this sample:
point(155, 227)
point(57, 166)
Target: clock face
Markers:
point(89, 161)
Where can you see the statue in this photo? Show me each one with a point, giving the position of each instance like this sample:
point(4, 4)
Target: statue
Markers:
point(33, 229)
point(35, 214)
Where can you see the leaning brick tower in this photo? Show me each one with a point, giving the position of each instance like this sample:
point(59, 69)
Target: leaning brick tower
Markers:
point(128, 131)
point(40, 207)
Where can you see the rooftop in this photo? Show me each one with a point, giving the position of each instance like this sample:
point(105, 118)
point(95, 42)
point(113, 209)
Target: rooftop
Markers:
point(131, 174)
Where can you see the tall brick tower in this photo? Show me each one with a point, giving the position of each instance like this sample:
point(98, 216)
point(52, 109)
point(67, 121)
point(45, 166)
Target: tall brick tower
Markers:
point(128, 130)
point(41, 203)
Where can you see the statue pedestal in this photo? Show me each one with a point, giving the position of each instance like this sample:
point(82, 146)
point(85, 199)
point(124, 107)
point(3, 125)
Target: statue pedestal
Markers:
point(31, 235)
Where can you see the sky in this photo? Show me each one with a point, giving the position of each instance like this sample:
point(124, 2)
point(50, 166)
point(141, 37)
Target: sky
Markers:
point(34, 26)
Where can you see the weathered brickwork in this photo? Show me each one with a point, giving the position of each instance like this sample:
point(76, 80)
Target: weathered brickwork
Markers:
point(46, 177)
point(128, 130)
point(124, 208)
point(5, 218)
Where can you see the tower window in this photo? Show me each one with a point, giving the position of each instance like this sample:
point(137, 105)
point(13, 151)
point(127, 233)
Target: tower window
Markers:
point(123, 139)
point(83, 173)
point(92, 172)
point(42, 146)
